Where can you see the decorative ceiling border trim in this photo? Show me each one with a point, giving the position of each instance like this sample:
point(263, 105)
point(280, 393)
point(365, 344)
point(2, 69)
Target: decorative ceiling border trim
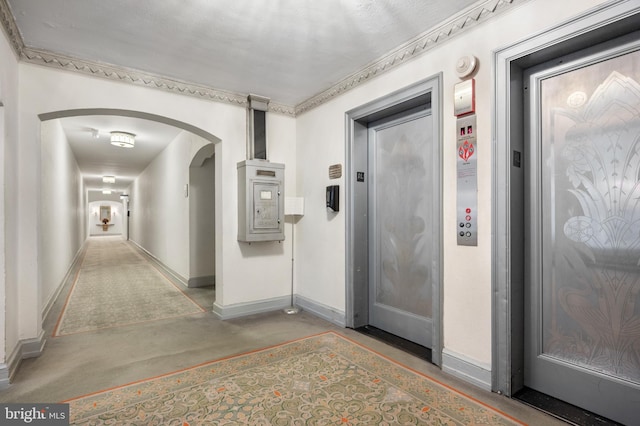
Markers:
point(419, 45)
point(140, 78)
point(10, 28)
point(117, 73)
point(412, 49)
point(111, 72)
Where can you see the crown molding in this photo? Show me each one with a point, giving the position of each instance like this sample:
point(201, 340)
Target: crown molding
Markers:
point(141, 78)
point(283, 109)
point(412, 49)
point(127, 75)
point(117, 73)
point(10, 28)
point(419, 45)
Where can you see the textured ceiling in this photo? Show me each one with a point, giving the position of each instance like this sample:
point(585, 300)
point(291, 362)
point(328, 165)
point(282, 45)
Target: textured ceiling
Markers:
point(96, 156)
point(286, 50)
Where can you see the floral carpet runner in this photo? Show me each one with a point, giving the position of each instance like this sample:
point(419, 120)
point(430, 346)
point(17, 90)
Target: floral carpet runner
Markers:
point(325, 379)
point(118, 286)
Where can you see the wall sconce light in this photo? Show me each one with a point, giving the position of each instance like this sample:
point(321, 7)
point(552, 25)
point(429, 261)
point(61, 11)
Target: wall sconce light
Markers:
point(123, 139)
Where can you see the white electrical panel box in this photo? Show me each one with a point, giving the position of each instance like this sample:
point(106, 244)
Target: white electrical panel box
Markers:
point(260, 201)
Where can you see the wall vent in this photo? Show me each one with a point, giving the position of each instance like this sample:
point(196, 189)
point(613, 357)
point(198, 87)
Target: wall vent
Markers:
point(335, 171)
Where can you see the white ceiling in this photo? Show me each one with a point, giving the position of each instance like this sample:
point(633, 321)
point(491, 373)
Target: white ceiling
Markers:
point(96, 157)
point(286, 50)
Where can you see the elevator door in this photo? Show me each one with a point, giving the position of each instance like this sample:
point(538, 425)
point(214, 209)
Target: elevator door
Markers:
point(582, 321)
point(401, 205)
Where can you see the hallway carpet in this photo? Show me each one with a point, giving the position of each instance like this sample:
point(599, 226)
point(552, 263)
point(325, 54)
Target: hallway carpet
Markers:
point(87, 363)
point(322, 379)
point(117, 286)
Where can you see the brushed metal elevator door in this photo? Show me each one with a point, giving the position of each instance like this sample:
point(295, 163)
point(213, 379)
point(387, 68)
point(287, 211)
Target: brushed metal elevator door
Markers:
point(400, 224)
point(582, 315)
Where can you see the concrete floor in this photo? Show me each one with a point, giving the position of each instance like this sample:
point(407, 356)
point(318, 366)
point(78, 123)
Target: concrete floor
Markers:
point(78, 364)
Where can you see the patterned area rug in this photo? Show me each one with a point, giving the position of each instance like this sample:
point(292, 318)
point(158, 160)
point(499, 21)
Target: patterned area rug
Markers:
point(116, 285)
point(325, 379)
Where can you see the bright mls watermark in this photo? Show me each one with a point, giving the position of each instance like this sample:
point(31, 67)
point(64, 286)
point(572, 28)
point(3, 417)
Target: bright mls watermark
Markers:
point(34, 414)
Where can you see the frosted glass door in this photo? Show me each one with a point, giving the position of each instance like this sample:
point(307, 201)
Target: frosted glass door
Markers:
point(401, 205)
point(583, 323)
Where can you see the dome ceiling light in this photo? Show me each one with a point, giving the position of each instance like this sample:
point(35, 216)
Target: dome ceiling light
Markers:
point(123, 139)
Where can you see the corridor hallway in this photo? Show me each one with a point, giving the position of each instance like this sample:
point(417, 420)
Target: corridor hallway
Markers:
point(80, 362)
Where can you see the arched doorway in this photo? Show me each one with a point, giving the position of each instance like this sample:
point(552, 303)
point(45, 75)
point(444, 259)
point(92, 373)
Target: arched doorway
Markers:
point(159, 224)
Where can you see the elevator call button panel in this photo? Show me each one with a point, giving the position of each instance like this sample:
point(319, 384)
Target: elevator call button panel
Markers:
point(467, 181)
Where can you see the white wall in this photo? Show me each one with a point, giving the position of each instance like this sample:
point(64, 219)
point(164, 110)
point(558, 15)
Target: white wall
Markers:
point(247, 273)
point(44, 90)
point(256, 271)
point(202, 231)
point(159, 220)
point(116, 221)
point(320, 250)
point(9, 315)
point(62, 211)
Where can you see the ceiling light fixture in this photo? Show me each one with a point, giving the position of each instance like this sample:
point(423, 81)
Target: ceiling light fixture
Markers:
point(106, 191)
point(123, 139)
point(109, 179)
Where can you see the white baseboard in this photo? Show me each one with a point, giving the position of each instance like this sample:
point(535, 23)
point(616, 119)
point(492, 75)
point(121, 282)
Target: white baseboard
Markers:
point(325, 312)
point(250, 308)
point(11, 367)
point(26, 348)
point(32, 348)
point(269, 305)
point(4, 376)
point(466, 369)
point(182, 280)
point(206, 281)
point(75, 263)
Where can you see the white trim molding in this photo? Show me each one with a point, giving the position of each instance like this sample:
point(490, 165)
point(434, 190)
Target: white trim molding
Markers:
point(426, 41)
point(250, 308)
point(140, 78)
point(205, 281)
point(161, 266)
point(32, 348)
point(325, 312)
point(26, 348)
point(4, 377)
point(464, 368)
point(464, 20)
point(68, 278)
point(10, 28)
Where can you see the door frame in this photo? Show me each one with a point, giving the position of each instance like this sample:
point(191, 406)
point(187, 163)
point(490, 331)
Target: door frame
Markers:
point(357, 267)
point(598, 25)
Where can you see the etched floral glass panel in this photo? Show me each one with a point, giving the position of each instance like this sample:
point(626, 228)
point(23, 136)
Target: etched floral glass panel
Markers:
point(590, 168)
point(403, 201)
